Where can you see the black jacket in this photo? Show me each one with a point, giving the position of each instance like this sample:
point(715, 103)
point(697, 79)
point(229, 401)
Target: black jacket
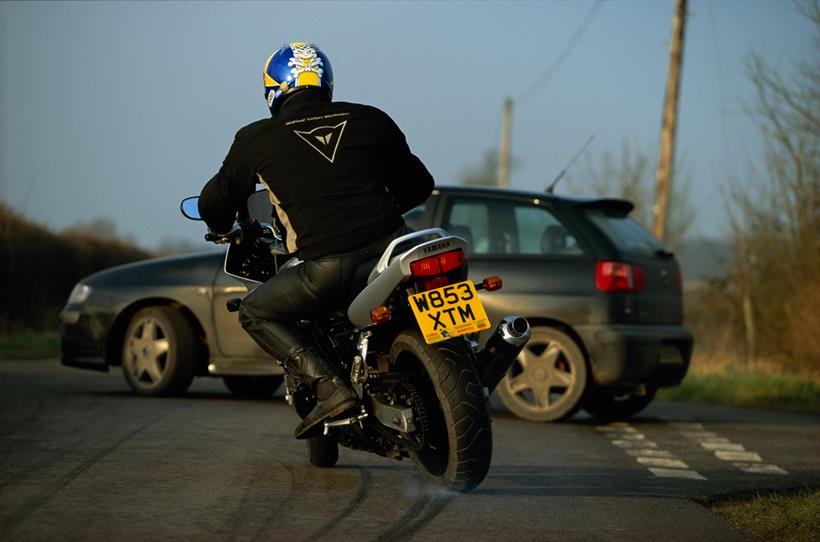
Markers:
point(339, 175)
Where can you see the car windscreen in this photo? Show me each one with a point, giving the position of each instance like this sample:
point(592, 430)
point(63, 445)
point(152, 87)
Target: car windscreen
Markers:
point(628, 236)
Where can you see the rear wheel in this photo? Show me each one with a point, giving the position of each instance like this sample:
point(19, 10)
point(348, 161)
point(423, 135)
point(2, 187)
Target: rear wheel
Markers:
point(547, 380)
point(614, 406)
point(159, 352)
point(253, 387)
point(457, 442)
point(322, 451)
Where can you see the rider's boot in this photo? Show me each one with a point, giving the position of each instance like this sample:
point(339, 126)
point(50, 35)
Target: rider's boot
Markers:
point(334, 396)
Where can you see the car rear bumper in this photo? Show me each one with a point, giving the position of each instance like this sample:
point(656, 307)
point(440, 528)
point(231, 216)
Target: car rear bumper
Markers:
point(81, 346)
point(630, 355)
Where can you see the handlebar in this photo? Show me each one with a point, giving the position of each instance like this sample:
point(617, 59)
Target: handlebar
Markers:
point(261, 234)
point(233, 236)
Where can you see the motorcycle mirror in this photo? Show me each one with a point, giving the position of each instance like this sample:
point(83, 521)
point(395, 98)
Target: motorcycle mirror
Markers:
point(190, 208)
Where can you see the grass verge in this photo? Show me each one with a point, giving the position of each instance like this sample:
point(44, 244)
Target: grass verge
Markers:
point(747, 389)
point(773, 516)
point(30, 345)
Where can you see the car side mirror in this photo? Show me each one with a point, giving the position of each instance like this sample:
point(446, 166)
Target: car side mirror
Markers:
point(190, 208)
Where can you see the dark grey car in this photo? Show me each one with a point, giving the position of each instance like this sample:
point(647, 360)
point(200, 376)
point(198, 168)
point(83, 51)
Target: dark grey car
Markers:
point(603, 297)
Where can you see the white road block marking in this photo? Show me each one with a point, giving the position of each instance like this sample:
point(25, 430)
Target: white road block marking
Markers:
point(760, 468)
point(699, 435)
point(722, 440)
point(646, 452)
point(627, 436)
point(634, 444)
point(609, 428)
point(662, 462)
point(727, 455)
point(727, 450)
point(690, 426)
point(728, 446)
point(676, 473)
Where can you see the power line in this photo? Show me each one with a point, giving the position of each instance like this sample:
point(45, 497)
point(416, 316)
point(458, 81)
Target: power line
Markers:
point(573, 41)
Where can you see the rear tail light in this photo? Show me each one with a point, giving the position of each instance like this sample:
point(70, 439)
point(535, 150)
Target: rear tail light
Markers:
point(436, 282)
point(435, 271)
point(619, 277)
point(451, 260)
point(427, 267)
point(438, 264)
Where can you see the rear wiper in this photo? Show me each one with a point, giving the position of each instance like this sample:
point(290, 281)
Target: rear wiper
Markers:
point(664, 254)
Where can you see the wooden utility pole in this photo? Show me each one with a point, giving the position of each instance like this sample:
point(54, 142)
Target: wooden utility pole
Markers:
point(666, 158)
point(504, 157)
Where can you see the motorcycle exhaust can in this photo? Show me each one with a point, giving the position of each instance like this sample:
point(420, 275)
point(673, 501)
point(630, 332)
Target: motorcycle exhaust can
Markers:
point(501, 349)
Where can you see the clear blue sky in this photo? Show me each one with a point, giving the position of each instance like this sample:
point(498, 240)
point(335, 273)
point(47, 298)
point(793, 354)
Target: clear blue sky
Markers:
point(122, 109)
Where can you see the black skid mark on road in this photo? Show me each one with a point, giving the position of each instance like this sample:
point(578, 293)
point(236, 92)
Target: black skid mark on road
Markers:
point(244, 512)
point(33, 425)
point(43, 497)
point(282, 510)
point(352, 506)
point(424, 510)
point(26, 422)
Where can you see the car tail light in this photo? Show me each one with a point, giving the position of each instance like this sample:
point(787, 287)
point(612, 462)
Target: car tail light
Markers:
point(619, 277)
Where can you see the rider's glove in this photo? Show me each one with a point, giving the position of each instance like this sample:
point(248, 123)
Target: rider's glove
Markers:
point(251, 230)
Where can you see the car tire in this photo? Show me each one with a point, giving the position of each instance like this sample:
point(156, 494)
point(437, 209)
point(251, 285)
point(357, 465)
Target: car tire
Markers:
point(615, 407)
point(253, 387)
point(547, 380)
point(159, 352)
point(322, 451)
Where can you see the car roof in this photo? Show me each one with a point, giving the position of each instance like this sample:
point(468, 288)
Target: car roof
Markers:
point(618, 205)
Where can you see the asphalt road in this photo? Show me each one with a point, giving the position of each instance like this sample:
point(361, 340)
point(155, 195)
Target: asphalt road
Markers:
point(83, 459)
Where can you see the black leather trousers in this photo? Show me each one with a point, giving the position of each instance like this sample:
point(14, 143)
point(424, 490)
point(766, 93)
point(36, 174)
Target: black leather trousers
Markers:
point(309, 289)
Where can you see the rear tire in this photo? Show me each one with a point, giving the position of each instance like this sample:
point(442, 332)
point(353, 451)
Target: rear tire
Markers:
point(616, 407)
point(253, 387)
point(456, 453)
point(322, 451)
point(159, 352)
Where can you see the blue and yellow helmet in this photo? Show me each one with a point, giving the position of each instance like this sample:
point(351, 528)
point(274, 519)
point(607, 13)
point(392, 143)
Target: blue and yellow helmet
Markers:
point(292, 67)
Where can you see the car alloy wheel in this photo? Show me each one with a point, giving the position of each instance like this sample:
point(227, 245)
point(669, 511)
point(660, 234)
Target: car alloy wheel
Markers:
point(547, 380)
point(158, 352)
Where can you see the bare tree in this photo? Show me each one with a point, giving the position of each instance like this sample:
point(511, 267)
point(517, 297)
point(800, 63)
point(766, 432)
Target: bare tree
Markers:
point(99, 227)
point(630, 175)
point(485, 172)
point(776, 214)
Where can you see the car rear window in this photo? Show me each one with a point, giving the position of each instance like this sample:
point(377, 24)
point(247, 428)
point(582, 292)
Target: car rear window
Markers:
point(628, 236)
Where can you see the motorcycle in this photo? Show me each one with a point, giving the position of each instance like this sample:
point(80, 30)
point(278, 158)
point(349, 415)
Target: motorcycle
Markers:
point(408, 343)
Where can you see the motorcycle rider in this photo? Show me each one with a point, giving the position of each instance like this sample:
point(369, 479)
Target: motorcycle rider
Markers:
point(339, 176)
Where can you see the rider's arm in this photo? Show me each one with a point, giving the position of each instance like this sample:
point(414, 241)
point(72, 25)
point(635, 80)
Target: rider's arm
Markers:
point(407, 178)
point(227, 192)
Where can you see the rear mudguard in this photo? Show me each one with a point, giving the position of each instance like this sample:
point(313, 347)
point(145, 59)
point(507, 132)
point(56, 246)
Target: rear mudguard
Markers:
point(392, 270)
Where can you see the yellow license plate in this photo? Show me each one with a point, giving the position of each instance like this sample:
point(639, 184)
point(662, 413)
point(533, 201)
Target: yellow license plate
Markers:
point(449, 311)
